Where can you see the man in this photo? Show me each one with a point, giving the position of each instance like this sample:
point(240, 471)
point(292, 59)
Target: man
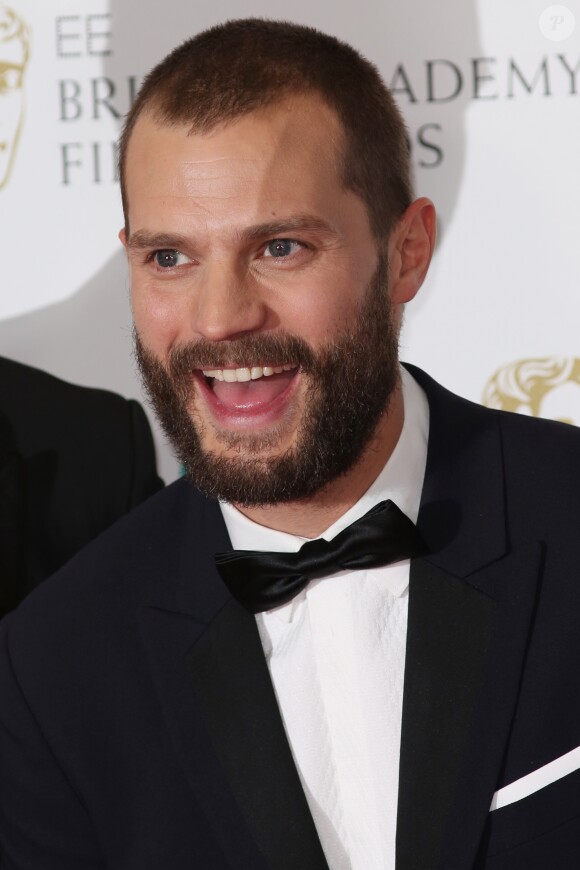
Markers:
point(72, 461)
point(166, 703)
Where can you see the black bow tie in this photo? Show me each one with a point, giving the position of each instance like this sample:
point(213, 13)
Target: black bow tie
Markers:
point(261, 580)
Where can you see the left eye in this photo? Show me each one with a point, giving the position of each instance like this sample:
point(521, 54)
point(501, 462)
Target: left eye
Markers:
point(281, 248)
point(169, 259)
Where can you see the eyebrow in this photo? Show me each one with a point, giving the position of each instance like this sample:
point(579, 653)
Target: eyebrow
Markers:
point(287, 225)
point(142, 239)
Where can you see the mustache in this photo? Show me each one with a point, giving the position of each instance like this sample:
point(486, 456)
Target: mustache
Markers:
point(248, 350)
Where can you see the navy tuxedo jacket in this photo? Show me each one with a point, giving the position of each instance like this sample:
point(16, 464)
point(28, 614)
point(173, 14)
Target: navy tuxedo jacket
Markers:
point(139, 728)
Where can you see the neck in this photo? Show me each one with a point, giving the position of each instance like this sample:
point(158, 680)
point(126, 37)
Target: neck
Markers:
point(310, 517)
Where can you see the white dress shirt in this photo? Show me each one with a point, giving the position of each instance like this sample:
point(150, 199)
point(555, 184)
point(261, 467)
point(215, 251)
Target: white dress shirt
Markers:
point(336, 655)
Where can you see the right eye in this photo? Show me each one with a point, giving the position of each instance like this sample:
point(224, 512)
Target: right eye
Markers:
point(281, 249)
point(169, 258)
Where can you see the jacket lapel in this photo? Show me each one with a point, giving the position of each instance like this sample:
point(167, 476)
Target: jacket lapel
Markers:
point(512, 583)
point(465, 652)
point(235, 692)
point(209, 668)
point(448, 633)
point(470, 609)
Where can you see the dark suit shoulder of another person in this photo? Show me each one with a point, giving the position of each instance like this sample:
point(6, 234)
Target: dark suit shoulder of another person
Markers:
point(73, 460)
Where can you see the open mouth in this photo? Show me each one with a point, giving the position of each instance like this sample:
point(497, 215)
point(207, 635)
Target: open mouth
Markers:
point(248, 391)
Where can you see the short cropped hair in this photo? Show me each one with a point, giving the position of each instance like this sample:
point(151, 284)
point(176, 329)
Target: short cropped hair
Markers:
point(244, 65)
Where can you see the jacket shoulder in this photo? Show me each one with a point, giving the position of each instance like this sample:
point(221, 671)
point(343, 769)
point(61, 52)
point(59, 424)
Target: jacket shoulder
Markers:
point(28, 395)
point(530, 433)
point(536, 460)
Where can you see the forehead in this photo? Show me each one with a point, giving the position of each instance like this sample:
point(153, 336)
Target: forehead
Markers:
point(286, 153)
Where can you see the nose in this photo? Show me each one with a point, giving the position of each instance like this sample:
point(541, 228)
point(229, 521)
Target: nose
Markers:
point(228, 304)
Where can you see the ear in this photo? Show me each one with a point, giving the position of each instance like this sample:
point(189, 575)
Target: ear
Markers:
point(123, 237)
point(410, 248)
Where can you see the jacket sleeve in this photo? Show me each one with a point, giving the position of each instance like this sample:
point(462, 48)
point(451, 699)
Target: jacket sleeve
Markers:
point(43, 824)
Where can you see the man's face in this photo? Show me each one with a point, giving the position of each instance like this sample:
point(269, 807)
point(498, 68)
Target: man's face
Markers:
point(11, 102)
point(261, 308)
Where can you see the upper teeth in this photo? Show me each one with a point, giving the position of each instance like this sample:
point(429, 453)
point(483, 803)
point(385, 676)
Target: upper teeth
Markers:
point(246, 374)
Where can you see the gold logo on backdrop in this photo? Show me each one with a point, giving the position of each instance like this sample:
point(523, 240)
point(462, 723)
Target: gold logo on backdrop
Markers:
point(14, 50)
point(541, 387)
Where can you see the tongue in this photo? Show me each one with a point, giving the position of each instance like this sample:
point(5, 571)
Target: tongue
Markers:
point(252, 393)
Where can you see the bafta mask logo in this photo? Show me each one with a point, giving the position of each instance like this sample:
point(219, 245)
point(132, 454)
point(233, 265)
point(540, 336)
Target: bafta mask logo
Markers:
point(544, 387)
point(13, 60)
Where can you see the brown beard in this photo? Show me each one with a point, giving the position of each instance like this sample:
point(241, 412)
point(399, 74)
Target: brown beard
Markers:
point(349, 384)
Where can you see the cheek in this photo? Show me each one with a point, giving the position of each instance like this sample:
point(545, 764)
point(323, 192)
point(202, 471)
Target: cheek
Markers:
point(323, 307)
point(328, 316)
point(159, 318)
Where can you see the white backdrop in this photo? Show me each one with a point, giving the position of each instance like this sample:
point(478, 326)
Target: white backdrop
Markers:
point(492, 101)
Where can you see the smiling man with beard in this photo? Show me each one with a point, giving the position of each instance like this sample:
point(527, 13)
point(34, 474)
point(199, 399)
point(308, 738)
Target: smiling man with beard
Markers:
point(337, 643)
point(350, 382)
